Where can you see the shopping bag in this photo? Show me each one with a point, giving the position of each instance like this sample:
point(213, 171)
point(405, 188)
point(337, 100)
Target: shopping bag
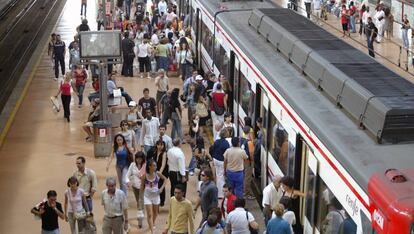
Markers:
point(55, 104)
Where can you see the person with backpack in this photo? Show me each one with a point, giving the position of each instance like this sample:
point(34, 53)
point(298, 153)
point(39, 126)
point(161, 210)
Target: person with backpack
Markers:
point(218, 106)
point(371, 32)
point(246, 143)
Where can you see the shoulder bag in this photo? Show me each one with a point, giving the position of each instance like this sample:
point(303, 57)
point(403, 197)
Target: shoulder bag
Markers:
point(252, 230)
point(219, 110)
point(78, 215)
point(201, 110)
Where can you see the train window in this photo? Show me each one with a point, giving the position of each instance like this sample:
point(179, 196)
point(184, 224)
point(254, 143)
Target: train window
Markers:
point(330, 214)
point(246, 96)
point(206, 39)
point(278, 142)
point(366, 224)
point(311, 194)
point(193, 18)
point(225, 63)
point(263, 114)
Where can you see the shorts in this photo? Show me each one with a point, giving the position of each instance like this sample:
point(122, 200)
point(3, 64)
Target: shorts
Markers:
point(151, 199)
point(345, 27)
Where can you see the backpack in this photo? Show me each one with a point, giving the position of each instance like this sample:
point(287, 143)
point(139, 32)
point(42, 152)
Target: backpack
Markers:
point(375, 32)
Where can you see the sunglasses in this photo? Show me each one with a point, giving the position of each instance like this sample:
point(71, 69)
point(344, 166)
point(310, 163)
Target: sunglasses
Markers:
point(203, 174)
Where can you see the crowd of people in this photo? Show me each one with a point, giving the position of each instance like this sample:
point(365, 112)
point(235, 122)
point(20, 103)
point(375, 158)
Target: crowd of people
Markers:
point(147, 160)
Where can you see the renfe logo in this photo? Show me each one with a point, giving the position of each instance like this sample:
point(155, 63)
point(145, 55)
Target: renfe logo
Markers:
point(379, 218)
point(352, 203)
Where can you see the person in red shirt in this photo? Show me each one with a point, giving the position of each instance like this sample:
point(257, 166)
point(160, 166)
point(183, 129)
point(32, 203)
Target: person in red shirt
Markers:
point(227, 205)
point(95, 86)
point(345, 20)
point(65, 95)
point(218, 106)
point(80, 76)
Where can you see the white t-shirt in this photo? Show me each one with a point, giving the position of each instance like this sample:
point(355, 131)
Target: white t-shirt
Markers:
point(74, 200)
point(317, 4)
point(154, 39)
point(271, 196)
point(290, 217)
point(237, 219)
point(162, 7)
point(143, 50)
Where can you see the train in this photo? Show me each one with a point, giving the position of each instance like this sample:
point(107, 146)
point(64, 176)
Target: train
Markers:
point(337, 133)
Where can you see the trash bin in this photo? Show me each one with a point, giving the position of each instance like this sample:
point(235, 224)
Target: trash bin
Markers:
point(102, 144)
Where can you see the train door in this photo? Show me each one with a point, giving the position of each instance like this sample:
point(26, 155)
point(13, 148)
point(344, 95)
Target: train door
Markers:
point(266, 174)
point(234, 83)
point(198, 34)
point(309, 185)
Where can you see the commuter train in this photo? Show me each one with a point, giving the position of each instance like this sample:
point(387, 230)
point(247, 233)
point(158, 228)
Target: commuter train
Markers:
point(334, 119)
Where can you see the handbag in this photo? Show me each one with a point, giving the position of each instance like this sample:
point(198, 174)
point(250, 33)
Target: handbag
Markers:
point(252, 230)
point(117, 93)
point(201, 110)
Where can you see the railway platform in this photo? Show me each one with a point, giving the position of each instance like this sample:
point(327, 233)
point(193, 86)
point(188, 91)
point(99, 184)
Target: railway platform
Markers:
point(39, 151)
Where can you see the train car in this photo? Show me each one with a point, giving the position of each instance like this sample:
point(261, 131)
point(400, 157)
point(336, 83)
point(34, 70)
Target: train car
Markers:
point(306, 134)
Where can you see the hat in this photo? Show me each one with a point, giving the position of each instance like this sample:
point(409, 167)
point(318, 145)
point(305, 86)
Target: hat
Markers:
point(132, 104)
point(198, 77)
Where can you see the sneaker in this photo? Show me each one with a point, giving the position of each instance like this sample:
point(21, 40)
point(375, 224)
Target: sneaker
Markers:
point(55, 79)
point(251, 197)
point(88, 139)
point(148, 77)
point(191, 173)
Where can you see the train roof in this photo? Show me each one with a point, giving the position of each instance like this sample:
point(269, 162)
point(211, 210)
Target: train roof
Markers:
point(353, 148)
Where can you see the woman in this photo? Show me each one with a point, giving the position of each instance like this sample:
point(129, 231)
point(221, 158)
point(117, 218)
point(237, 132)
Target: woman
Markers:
point(133, 178)
point(75, 197)
point(149, 184)
point(123, 160)
point(163, 52)
point(228, 122)
point(201, 156)
point(134, 119)
point(66, 96)
point(176, 115)
point(194, 134)
point(185, 60)
point(159, 155)
point(345, 20)
point(361, 21)
point(218, 106)
point(289, 192)
point(80, 76)
point(201, 110)
point(129, 135)
point(144, 53)
point(404, 29)
point(190, 102)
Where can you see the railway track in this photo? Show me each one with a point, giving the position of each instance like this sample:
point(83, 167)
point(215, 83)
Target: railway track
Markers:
point(20, 32)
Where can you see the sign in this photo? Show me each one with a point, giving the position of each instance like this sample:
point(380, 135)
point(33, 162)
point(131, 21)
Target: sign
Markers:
point(102, 132)
point(108, 8)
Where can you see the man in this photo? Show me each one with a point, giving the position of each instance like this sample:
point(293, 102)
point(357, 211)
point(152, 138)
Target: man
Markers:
point(220, 80)
point(248, 146)
point(234, 166)
point(59, 50)
point(188, 81)
point(49, 211)
point(93, 116)
point(111, 86)
point(176, 167)
point(127, 7)
point(308, 4)
point(115, 206)
point(227, 205)
point(170, 16)
point(147, 102)
point(149, 131)
point(75, 39)
point(371, 33)
point(278, 225)
point(87, 180)
point(128, 55)
point(84, 27)
point(208, 196)
point(162, 7)
point(164, 137)
point(162, 83)
point(100, 17)
point(180, 215)
point(334, 218)
point(317, 9)
point(74, 58)
point(257, 148)
point(271, 197)
point(239, 217)
point(219, 147)
point(83, 6)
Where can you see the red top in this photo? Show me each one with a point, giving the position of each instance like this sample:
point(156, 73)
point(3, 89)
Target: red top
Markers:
point(230, 204)
point(218, 98)
point(95, 86)
point(80, 78)
point(344, 19)
point(65, 88)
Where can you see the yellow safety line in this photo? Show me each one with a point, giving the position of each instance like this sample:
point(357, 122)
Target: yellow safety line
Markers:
point(19, 101)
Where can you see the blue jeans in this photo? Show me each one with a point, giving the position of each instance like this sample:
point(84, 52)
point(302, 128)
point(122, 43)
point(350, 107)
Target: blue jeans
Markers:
point(235, 180)
point(185, 70)
point(89, 201)
point(147, 148)
point(162, 62)
point(176, 130)
point(193, 164)
point(352, 24)
point(121, 173)
point(405, 38)
point(127, 7)
point(80, 89)
point(56, 231)
point(371, 47)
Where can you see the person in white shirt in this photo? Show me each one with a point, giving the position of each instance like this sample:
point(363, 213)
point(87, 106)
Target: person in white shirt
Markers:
point(170, 15)
point(115, 206)
point(365, 16)
point(75, 200)
point(149, 131)
point(308, 7)
point(133, 178)
point(167, 139)
point(176, 166)
point(162, 7)
point(237, 222)
point(317, 9)
point(271, 196)
point(380, 22)
point(154, 38)
point(288, 215)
